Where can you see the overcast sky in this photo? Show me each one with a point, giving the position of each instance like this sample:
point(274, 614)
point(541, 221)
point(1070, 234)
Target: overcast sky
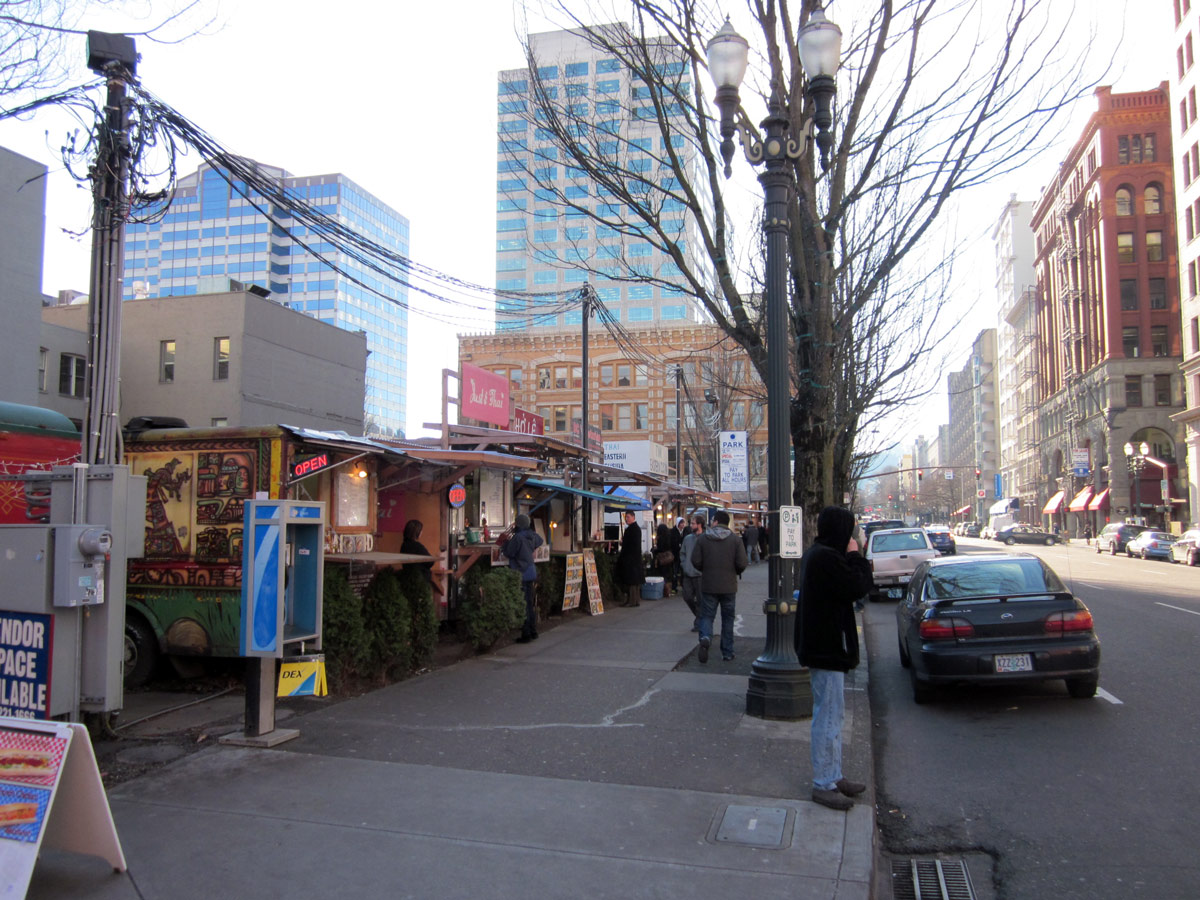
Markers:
point(402, 100)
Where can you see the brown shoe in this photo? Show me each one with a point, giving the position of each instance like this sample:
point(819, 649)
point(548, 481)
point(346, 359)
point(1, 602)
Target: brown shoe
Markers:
point(851, 788)
point(832, 799)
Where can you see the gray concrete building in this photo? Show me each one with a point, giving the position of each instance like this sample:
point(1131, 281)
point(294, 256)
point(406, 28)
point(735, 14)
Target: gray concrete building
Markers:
point(974, 437)
point(220, 359)
point(23, 224)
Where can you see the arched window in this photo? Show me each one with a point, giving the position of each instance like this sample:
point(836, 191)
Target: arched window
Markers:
point(1153, 198)
point(1124, 201)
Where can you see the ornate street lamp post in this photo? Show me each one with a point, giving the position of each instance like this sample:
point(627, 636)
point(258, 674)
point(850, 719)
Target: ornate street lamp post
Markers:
point(779, 686)
point(1136, 457)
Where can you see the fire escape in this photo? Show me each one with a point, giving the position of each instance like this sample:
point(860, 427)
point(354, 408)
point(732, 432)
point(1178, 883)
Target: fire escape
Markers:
point(1067, 253)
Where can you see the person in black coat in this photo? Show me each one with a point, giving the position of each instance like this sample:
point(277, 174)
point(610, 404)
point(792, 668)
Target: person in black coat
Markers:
point(833, 575)
point(630, 570)
point(663, 542)
point(678, 533)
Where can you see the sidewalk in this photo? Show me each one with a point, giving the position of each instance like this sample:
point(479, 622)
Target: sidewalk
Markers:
point(602, 758)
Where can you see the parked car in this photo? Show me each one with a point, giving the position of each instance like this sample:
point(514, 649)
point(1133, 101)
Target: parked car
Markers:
point(941, 538)
point(971, 529)
point(993, 618)
point(1149, 544)
point(1187, 548)
point(876, 524)
point(1025, 534)
point(894, 553)
point(1115, 535)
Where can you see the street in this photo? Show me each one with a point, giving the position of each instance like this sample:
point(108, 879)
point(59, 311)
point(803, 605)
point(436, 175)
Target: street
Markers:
point(1089, 799)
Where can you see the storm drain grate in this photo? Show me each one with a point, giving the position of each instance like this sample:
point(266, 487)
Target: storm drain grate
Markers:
point(931, 879)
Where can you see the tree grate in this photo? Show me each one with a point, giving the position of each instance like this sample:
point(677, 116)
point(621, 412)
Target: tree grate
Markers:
point(931, 879)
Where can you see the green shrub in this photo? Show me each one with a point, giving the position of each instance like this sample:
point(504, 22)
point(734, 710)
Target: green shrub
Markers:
point(552, 579)
point(492, 605)
point(344, 638)
point(388, 620)
point(424, 614)
point(605, 566)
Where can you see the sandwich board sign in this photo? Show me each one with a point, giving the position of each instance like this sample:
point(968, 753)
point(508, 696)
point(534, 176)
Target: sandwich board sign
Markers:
point(50, 790)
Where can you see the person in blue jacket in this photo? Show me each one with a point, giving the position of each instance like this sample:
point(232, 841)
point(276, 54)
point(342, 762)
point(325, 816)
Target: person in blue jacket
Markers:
point(518, 550)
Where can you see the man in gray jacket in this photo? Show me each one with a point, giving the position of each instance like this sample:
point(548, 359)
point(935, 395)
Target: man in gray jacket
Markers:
point(691, 575)
point(720, 556)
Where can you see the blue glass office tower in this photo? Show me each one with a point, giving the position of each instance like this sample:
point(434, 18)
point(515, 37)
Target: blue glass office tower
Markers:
point(211, 235)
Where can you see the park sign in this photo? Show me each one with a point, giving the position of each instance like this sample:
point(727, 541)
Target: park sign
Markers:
point(735, 461)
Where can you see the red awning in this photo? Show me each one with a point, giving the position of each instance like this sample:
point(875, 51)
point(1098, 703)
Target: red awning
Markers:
point(1080, 501)
point(1100, 501)
point(1054, 503)
point(965, 509)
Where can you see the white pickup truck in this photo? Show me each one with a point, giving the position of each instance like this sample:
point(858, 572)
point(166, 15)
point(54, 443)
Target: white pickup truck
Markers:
point(894, 554)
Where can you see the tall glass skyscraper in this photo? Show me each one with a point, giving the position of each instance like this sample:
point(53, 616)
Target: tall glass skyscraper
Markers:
point(211, 235)
point(546, 241)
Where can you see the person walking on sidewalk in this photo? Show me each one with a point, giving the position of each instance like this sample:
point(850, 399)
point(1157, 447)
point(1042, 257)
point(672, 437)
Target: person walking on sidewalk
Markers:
point(833, 575)
point(630, 571)
point(678, 533)
point(720, 556)
point(518, 549)
point(691, 575)
point(750, 536)
point(664, 556)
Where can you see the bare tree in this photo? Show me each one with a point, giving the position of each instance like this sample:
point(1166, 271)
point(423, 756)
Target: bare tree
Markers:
point(934, 97)
point(34, 36)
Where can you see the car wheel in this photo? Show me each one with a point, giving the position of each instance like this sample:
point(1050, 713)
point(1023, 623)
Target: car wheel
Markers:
point(1113, 548)
point(922, 692)
point(1192, 558)
point(1010, 542)
point(1082, 688)
point(905, 659)
point(141, 651)
point(1144, 556)
point(1097, 548)
point(1049, 542)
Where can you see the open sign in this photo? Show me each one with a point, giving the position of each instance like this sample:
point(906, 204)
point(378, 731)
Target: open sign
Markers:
point(310, 465)
point(456, 494)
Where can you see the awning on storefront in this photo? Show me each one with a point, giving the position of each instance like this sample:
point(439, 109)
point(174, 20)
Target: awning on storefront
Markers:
point(965, 509)
point(1080, 501)
point(632, 502)
point(1053, 504)
point(1100, 501)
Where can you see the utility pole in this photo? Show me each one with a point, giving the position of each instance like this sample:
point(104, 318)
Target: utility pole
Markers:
point(589, 298)
point(678, 417)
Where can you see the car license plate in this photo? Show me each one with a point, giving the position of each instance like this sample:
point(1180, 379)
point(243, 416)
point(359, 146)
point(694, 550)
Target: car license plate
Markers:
point(905, 579)
point(895, 593)
point(1014, 662)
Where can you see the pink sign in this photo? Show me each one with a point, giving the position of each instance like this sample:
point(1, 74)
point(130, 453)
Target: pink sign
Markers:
point(483, 395)
point(525, 422)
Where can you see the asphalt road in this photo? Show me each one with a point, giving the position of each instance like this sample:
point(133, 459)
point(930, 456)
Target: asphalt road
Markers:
point(1073, 799)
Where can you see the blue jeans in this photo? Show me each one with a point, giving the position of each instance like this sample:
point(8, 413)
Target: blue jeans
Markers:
point(829, 709)
point(708, 612)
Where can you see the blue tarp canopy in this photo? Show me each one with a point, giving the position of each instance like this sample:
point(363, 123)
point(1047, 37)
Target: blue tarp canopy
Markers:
point(618, 496)
point(630, 501)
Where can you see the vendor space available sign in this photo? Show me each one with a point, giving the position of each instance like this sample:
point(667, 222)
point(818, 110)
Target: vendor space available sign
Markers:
point(484, 395)
point(25, 647)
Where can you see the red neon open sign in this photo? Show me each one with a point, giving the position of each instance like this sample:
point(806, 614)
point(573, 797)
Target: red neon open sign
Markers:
point(310, 465)
point(456, 495)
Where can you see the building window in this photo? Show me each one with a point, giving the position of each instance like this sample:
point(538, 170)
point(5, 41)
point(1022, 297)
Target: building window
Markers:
point(1131, 342)
point(544, 379)
point(672, 414)
point(1124, 201)
point(1123, 150)
point(623, 372)
point(221, 359)
point(1125, 247)
point(1153, 199)
point(560, 377)
point(606, 417)
point(1158, 293)
point(1196, 334)
point(1133, 390)
point(606, 375)
point(218, 421)
point(1160, 344)
point(1129, 293)
point(642, 413)
point(71, 374)
point(43, 355)
point(1162, 390)
point(1189, 219)
point(624, 417)
point(561, 416)
point(166, 362)
point(1154, 246)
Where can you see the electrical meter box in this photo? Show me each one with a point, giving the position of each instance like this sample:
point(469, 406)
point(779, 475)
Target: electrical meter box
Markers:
point(81, 553)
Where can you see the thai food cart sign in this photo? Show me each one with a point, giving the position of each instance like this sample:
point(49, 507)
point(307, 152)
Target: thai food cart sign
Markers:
point(483, 395)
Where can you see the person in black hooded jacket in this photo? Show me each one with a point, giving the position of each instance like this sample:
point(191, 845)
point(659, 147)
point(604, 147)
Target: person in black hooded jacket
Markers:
point(833, 575)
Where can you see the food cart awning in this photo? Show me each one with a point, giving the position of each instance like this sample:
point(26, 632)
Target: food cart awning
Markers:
point(492, 459)
point(1080, 501)
point(620, 496)
point(1100, 501)
point(1054, 503)
point(561, 488)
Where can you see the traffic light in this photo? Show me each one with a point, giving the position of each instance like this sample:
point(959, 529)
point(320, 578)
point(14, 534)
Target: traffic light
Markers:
point(889, 496)
point(978, 474)
point(920, 475)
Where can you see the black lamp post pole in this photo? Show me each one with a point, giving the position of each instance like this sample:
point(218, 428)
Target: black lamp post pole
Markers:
point(779, 686)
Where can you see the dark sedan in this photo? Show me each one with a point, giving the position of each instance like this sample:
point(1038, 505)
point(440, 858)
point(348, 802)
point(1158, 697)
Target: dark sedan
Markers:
point(941, 538)
point(1025, 534)
point(993, 618)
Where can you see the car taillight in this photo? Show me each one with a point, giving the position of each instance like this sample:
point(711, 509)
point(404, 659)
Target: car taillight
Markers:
point(945, 628)
point(1068, 622)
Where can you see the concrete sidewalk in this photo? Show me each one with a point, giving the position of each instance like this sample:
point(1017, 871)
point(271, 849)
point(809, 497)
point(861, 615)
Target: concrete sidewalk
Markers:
point(601, 759)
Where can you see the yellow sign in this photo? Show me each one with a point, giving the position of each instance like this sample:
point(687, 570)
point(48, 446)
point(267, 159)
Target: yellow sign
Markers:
point(574, 581)
point(302, 676)
point(595, 599)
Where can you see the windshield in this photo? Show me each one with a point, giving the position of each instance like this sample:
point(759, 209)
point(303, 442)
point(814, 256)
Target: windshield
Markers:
point(901, 540)
point(984, 578)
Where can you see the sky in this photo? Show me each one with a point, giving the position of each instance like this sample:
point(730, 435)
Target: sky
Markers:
point(402, 100)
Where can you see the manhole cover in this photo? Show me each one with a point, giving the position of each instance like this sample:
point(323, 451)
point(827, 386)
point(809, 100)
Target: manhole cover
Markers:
point(757, 826)
point(931, 879)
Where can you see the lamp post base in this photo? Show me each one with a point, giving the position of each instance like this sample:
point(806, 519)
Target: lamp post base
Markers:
point(779, 692)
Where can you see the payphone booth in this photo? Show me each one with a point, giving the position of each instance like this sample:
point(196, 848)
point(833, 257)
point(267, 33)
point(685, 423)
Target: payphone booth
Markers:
point(283, 571)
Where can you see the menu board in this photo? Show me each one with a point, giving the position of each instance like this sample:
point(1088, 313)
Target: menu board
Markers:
point(595, 600)
point(50, 789)
point(574, 581)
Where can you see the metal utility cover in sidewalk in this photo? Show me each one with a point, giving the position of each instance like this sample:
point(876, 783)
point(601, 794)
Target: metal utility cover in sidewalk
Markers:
point(757, 826)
